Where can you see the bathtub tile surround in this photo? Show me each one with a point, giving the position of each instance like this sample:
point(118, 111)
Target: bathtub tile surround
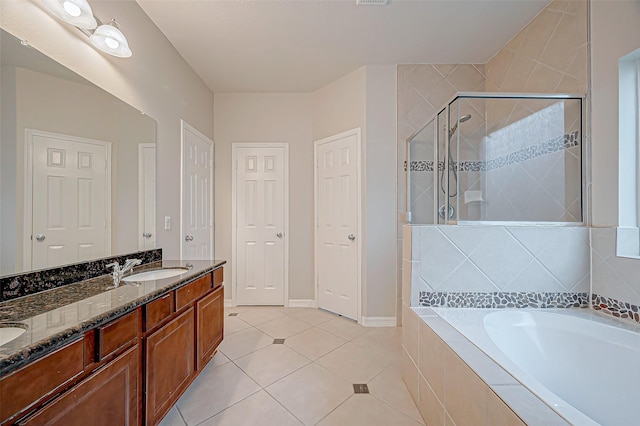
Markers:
point(476, 387)
point(615, 279)
point(504, 300)
point(495, 266)
point(20, 285)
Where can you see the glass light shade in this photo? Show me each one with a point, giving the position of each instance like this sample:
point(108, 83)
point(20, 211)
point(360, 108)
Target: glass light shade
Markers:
point(110, 40)
point(75, 12)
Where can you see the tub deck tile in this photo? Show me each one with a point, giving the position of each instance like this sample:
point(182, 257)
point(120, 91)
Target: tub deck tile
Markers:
point(529, 408)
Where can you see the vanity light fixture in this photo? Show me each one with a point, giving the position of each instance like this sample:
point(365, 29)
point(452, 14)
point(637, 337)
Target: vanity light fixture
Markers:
point(106, 37)
point(75, 12)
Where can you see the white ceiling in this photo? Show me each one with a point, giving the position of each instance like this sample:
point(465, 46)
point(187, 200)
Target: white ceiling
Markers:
point(302, 45)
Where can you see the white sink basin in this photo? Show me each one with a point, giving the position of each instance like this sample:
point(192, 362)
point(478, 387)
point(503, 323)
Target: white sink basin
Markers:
point(157, 274)
point(9, 332)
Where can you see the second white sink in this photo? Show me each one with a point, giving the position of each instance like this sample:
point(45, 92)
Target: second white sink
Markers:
point(9, 332)
point(157, 274)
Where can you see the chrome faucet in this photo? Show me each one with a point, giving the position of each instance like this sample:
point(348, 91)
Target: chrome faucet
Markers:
point(118, 272)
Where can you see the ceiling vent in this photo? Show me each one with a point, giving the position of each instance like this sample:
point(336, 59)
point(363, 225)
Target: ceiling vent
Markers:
point(371, 2)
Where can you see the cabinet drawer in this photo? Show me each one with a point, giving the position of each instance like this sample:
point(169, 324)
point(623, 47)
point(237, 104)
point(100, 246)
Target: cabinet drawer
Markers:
point(116, 335)
point(218, 277)
point(107, 397)
point(192, 291)
point(29, 384)
point(157, 311)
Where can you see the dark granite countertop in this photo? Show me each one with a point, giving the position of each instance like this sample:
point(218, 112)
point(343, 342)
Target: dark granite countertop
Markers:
point(59, 316)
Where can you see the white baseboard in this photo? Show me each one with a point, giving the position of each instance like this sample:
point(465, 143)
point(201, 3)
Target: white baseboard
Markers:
point(379, 322)
point(228, 303)
point(302, 303)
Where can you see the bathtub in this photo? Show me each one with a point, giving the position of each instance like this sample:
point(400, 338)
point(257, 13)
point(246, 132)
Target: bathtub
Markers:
point(584, 366)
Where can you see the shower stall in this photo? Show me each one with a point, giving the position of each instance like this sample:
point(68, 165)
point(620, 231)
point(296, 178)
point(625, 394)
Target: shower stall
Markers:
point(499, 157)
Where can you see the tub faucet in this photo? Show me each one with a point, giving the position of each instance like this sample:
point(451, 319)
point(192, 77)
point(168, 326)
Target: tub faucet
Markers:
point(118, 272)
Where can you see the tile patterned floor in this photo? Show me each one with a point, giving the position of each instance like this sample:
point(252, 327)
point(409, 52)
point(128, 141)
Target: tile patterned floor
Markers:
point(307, 380)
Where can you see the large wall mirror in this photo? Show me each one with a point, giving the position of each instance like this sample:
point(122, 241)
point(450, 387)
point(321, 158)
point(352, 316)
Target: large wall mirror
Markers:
point(77, 166)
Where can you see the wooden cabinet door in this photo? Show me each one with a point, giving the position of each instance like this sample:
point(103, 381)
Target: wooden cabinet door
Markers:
point(210, 317)
point(107, 397)
point(169, 366)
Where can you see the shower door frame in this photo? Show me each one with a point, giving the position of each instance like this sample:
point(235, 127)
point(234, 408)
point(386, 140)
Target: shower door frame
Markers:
point(585, 148)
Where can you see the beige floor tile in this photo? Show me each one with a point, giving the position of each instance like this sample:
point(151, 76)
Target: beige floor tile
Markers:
point(366, 410)
point(259, 314)
point(311, 393)
point(389, 387)
point(341, 327)
point(271, 363)
point(353, 363)
point(312, 316)
point(283, 327)
point(173, 418)
point(213, 391)
point(314, 343)
point(384, 341)
point(219, 359)
point(234, 324)
point(244, 342)
point(258, 409)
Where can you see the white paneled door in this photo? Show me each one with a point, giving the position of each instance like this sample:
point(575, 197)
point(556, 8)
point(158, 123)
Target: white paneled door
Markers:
point(197, 195)
point(261, 173)
point(337, 190)
point(70, 199)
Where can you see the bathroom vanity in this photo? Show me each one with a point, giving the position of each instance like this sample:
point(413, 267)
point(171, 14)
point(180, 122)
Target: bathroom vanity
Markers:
point(121, 356)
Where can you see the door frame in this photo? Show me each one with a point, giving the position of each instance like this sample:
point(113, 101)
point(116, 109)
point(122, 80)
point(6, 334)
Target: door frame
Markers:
point(29, 135)
point(352, 132)
point(141, 201)
point(184, 127)
point(234, 231)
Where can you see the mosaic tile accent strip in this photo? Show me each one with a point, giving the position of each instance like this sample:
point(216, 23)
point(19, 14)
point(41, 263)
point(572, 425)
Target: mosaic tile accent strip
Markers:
point(566, 141)
point(504, 300)
point(20, 285)
point(615, 307)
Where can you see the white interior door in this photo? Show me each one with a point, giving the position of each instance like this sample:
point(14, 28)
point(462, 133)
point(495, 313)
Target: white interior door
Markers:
point(337, 212)
point(70, 199)
point(197, 195)
point(146, 196)
point(260, 199)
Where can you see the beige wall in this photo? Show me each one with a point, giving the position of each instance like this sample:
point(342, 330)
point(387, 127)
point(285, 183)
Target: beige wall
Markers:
point(380, 172)
point(260, 118)
point(156, 80)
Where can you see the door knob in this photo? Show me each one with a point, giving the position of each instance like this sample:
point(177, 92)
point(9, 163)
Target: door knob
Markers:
point(279, 235)
point(352, 237)
point(188, 238)
point(147, 235)
point(40, 237)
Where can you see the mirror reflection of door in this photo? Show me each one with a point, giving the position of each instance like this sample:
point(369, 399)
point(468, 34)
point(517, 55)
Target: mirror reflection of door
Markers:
point(146, 196)
point(68, 200)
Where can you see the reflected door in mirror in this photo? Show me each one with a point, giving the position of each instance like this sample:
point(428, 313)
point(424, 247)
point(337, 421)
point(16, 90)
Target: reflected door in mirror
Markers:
point(70, 199)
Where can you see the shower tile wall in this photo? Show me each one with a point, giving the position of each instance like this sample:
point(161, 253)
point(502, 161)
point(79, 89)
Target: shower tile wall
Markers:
point(548, 55)
point(488, 259)
point(422, 90)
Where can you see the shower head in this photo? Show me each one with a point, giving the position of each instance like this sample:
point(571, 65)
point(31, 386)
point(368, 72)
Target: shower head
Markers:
point(460, 120)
